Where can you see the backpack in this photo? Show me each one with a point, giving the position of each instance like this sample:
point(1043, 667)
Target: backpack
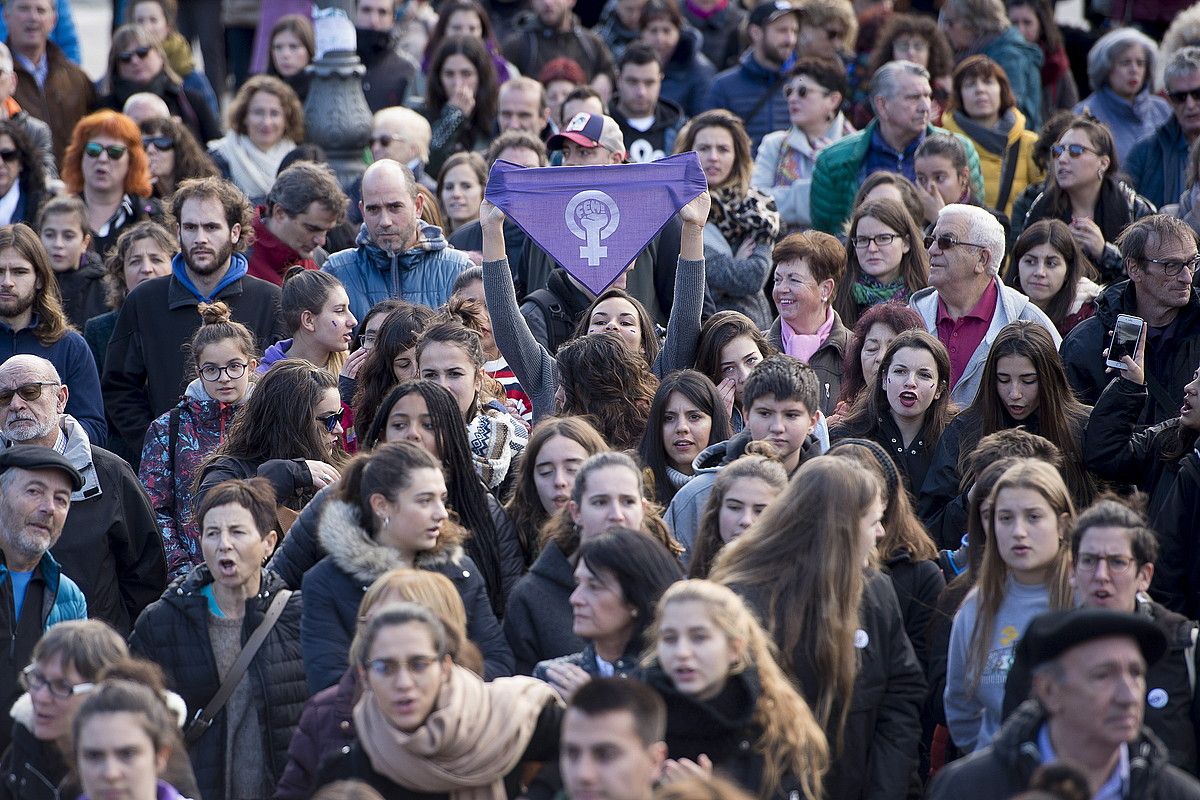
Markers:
point(559, 324)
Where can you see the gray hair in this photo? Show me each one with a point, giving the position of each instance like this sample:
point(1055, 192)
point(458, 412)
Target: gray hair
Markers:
point(1183, 62)
point(305, 183)
point(6, 59)
point(986, 17)
point(885, 82)
point(1134, 242)
point(986, 231)
point(416, 128)
point(1104, 54)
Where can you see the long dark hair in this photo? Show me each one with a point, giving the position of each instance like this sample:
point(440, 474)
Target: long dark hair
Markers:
point(643, 569)
point(1055, 233)
point(699, 390)
point(448, 9)
point(33, 175)
point(399, 332)
point(717, 332)
point(483, 116)
point(464, 492)
point(602, 378)
point(1102, 141)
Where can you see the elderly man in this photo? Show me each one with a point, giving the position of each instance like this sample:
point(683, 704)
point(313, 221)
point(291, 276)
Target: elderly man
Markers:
point(305, 203)
point(1157, 163)
point(142, 106)
point(398, 255)
point(37, 131)
point(901, 98)
point(111, 545)
point(1159, 254)
point(1089, 684)
point(966, 304)
point(523, 107)
point(36, 484)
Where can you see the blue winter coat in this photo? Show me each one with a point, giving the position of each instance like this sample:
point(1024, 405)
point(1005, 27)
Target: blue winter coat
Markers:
point(1129, 121)
point(423, 274)
point(739, 89)
point(69, 602)
point(687, 74)
point(1022, 63)
point(1156, 164)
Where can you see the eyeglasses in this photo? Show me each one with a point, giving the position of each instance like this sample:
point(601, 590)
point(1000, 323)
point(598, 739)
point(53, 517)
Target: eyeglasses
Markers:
point(1075, 150)
point(1173, 268)
point(1179, 98)
point(879, 240)
point(10, 155)
point(331, 421)
point(94, 149)
point(125, 56)
point(32, 681)
point(385, 139)
point(28, 392)
point(389, 667)
point(946, 242)
point(233, 370)
point(366, 341)
point(801, 90)
point(160, 142)
point(1088, 562)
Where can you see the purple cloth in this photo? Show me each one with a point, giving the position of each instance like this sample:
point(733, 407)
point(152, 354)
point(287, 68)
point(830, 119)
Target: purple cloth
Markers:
point(270, 14)
point(593, 221)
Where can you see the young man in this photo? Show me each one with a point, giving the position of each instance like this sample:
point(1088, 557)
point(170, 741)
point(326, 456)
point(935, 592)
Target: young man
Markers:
point(612, 741)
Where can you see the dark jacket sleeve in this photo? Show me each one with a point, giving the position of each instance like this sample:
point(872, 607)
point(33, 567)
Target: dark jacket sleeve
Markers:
point(1113, 447)
point(1082, 360)
point(482, 627)
point(941, 489)
point(286, 476)
point(323, 638)
point(301, 548)
point(85, 402)
point(512, 559)
point(1176, 582)
point(136, 544)
point(520, 630)
point(124, 383)
point(924, 584)
point(206, 121)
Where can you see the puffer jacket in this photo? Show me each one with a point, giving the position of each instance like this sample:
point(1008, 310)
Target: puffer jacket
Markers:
point(827, 362)
point(176, 444)
point(1003, 768)
point(1129, 121)
point(1156, 164)
point(173, 632)
point(335, 587)
point(991, 164)
point(326, 726)
point(422, 274)
point(687, 73)
point(537, 621)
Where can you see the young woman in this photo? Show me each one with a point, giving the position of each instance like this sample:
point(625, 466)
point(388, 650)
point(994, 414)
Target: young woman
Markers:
point(729, 348)
point(460, 189)
point(869, 340)
point(224, 355)
point(619, 577)
point(266, 121)
point(1023, 385)
point(784, 164)
point(196, 631)
point(984, 110)
point(687, 71)
point(468, 18)
point(1024, 572)
point(160, 17)
point(392, 359)
point(440, 725)
point(175, 155)
point(687, 415)
point(1084, 192)
point(468, 304)
point(1123, 69)
point(740, 494)
point(389, 511)
point(714, 667)
point(316, 312)
point(361, 342)
point(460, 99)
point(293, 47)
point(838, 627)
point(1049, 267)
point(557, 449)
point(885, 259)
point(609, 491)
point(743, 221)
point(943, 176)
point(1035, 20)
point(63, 228)
point(600, 377)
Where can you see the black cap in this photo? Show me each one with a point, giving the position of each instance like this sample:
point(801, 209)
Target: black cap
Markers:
point(29, 456)
point(766, 13)
point(1055, 632)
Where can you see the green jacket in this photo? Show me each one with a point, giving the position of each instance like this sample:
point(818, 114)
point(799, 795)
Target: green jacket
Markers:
point(835, 177)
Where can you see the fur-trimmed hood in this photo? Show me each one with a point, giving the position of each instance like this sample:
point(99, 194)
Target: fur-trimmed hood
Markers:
point(358, 555)
point(22, 709)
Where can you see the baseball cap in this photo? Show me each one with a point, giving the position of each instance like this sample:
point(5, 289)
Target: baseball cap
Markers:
point(28, 456)
point(766, 13)
point(590, 130)
point(1051, 634)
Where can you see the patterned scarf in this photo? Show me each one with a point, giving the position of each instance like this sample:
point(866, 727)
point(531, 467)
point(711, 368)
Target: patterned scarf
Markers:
point(744, 214)
point(869, 292)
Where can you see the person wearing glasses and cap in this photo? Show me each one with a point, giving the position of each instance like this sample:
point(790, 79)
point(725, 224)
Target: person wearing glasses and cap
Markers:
point(1089, 668)
point(966, 304)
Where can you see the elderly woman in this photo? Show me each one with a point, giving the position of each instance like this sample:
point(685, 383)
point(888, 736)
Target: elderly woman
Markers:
point(784, 164)
point(138, 63)
point(1122, 68)
point(982, 26)
point(808, 268)
point(266, 121)
point(106, 165)
point(196, 631)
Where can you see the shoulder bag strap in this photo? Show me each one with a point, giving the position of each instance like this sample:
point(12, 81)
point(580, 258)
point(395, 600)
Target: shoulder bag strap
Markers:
point(1006, 175)
point(204, 717)
point(762, 100)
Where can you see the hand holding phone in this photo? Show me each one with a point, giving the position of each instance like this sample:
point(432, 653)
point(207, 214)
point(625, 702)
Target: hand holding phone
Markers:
point(1127, 343)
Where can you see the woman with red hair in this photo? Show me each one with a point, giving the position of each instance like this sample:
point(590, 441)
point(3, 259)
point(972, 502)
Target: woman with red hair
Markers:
point(107, 167)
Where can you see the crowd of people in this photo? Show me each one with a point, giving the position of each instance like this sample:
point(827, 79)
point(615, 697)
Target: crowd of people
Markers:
point(873, 475)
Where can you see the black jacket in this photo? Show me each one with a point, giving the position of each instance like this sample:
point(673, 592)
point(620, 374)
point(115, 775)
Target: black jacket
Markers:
point(289, 477)
point(83, 291)
point(554, 312)
point(390, 78)
point(186, 105)
point(656, 142)
point(173, 632)
point(538, 620)
point(335, 586)
point(1176, 581)
point(144, 373)
point(883, 729)
point(1170, 367)
point(1003, 768)
point(912, 461)
point(917, 585)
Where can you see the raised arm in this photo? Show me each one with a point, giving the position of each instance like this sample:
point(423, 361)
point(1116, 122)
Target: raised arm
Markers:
point(683, 327)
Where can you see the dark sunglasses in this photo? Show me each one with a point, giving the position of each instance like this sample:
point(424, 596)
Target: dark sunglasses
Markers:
point(159, 142)
point(125, 56)
point(10, 155)
point(1075, 150)
point(331, 421)
point(385, 139)
point(1179, 98)
point(802, 90)
point(947, 242)
point(94, 149)
point(28, 392)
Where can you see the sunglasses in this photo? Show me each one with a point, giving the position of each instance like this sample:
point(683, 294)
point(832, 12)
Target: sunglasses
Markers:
point(385, 139)
point(10, 155)
point(28, 392)
point(801, 90)
point(1179, 98)
point(947, 242)
point(331, 421)
point(1074, 150)
point(125, 56)
point(94, 149)
point(159, 142)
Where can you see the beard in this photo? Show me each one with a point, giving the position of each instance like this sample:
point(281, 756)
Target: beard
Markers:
point(16, 306)
point(29, 430)
point(220, 259)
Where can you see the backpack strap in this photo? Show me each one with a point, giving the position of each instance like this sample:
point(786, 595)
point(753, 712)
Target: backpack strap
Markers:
point(558, 321)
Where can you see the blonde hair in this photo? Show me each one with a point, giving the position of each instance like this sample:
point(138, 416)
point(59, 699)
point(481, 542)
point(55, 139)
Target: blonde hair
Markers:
point(791, 740)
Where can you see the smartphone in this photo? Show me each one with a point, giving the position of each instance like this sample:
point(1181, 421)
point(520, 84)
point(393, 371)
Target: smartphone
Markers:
point(1124, 340)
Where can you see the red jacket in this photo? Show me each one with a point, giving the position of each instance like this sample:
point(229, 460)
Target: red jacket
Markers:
point(270, 258)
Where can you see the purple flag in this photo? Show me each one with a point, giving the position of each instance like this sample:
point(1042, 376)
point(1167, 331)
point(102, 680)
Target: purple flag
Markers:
point(595, 220)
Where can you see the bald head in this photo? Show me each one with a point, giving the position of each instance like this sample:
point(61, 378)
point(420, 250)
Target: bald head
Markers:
point(144, 105)
point(33, 413)
point(391, 206)
point(33, 367)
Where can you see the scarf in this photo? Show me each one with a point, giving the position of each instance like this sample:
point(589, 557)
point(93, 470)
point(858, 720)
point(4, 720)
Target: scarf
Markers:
point(1054, 66)
point(869, 292)
point(475, 735)
point(252, 170)
point(994, 140)
point(701, 13)
point(803, 346)
point(741, 214)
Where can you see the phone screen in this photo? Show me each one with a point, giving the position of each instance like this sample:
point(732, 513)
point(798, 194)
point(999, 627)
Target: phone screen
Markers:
point(1125, 339)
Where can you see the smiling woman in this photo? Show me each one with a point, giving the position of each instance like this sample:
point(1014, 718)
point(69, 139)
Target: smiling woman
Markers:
point(266, 121)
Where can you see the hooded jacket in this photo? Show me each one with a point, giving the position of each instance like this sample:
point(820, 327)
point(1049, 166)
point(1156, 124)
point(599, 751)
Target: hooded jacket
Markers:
point(173, 632)
point(176, 444)
point(1129, 120)
point(538, 619)
point(1011, 306)
point(82, 290)
point(423, 273)
point(334, 588)
point(658, 141)
point(687, 74)
point(1003, 768)
point(1156, 164)
point(1169, 367)
point(739, 89)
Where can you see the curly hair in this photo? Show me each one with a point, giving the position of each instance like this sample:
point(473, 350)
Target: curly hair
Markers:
point(114, 262)
point(236, 207)
point(115, 126)
point(602, 378)
point(941, 56)
point(293, 110)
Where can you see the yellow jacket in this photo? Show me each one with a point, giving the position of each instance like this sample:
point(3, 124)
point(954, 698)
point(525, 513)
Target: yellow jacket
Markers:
point(991, 163)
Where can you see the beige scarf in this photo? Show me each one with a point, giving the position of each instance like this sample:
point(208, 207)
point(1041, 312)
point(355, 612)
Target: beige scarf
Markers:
point(475, 735)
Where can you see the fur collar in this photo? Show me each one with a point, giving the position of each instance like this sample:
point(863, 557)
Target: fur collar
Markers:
point(358, 555)
point(22, 710)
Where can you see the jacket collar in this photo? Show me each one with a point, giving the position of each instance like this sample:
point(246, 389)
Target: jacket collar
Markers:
point(357, 554)
point(79, 453)
point(182, 292)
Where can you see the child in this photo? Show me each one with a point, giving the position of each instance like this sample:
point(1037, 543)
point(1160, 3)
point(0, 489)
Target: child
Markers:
point(62, 225)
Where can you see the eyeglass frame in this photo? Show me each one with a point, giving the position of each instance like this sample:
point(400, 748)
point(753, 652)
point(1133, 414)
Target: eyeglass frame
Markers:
point(142, 51)
point(1112, 568)
point(105, 149)
point(331, 420)
point(367, 340)
point(31, 685)
point(953, 243)
point(1058, 149)
point(7, 395)
point(226, 370)
point(865, 242)
point(1173, 268)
